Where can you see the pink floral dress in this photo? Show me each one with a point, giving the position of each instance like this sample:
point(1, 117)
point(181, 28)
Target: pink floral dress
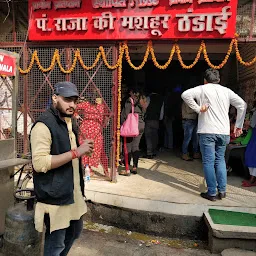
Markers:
point(94, 120)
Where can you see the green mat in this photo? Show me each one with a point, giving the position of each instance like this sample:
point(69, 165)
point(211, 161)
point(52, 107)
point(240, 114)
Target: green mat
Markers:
point(232, 218)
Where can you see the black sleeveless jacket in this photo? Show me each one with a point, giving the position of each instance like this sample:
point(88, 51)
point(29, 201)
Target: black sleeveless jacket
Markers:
point(56, 186)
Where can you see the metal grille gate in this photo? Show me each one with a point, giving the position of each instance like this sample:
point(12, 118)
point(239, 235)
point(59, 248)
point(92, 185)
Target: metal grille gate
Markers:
point(35, 89)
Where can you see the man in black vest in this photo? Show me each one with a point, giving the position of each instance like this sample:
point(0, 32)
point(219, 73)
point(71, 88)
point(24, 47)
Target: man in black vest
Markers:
point(155, 112)
point(58, 176)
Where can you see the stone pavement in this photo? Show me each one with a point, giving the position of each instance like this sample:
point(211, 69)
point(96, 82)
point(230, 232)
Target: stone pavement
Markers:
point(169, 185)
point(100, 244)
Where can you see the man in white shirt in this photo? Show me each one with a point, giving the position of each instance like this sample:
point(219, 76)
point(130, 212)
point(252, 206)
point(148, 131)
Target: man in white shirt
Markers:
point(213, 105)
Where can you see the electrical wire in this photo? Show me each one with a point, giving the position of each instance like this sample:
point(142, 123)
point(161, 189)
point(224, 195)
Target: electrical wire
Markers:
point(9, 10)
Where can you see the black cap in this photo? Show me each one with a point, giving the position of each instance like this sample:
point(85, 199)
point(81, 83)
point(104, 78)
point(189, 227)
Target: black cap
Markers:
point(66, 89)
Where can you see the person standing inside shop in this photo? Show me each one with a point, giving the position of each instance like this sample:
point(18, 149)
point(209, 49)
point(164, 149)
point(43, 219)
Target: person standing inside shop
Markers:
point(58, 176)
point(155, 112)
point(189, 123)
point(168, 120)
point(212, 101)
point(133, 143)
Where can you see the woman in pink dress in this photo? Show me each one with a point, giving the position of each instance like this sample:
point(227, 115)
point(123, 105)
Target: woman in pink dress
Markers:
point(93, 122)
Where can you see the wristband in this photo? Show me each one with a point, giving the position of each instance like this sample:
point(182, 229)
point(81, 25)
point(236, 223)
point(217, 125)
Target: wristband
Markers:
point(74, 153)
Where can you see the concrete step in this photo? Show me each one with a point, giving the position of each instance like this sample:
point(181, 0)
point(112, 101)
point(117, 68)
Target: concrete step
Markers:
point(237, 252)
point(222, 237)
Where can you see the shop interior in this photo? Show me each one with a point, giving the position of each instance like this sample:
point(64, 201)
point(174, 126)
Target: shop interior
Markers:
point(171, 82)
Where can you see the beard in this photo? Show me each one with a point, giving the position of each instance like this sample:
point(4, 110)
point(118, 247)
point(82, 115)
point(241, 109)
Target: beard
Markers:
point(62, 111)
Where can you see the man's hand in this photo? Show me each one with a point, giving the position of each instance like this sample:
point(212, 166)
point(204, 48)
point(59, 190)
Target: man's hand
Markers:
point(204, 108)
point(78, 117)
point(98, 100)
point(86, 148)
point(238, 132)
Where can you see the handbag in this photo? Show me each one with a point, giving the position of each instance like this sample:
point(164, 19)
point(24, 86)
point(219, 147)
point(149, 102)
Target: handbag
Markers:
point(130, 127)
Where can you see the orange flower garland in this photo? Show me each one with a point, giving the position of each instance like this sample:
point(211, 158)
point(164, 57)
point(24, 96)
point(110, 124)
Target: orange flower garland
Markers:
point(55, 56)
point(165, 66)
point(120, 57)
point(239, 58)
point(119, 99)
point(124, 49)
point(181, 60)
point(82, 62)
point(145, 59)
point(224, 62)
point(28, 69)
point(72, 66)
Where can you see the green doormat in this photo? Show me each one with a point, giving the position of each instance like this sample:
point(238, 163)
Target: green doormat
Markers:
point(232, 218)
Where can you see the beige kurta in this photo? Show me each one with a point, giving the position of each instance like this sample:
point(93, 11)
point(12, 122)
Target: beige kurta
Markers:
point(60, 216)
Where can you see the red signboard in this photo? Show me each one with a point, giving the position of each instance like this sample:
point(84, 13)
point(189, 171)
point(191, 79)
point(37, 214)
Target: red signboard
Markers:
point(131, 19)
point(7, 65)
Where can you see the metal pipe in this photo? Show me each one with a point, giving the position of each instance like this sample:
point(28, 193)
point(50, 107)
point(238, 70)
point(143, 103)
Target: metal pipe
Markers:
point(115, 110)
point(68, 62)
point(25, 102)
point(14, 24)
point(14, 103)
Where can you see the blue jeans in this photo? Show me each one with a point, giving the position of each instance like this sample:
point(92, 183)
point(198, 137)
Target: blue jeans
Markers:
point(190, 132)
point(59, 242)
point(213, 147)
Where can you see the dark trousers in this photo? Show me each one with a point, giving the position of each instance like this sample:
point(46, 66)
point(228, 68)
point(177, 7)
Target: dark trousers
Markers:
point(133, 148)
point(151, 135)
point(59, 242)
point(231, 148)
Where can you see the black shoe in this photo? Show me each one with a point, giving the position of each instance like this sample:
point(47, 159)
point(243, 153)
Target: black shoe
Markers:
point(221, 195)
point(208, 197)
point(154, 155)
point(134, 171)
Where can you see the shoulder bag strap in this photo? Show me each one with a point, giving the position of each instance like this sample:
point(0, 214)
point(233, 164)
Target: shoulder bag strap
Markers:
point(131, 99)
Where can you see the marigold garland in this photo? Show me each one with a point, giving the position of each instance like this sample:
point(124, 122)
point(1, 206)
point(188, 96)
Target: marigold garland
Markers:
point(28, 69)
point(239, 58)
point(178, 51)
point(71, 69)
point(120, 57)
point(55, 57)
point(165, 66)
point(119, 99)
point(224, 62)
point(80, 59)
point(145, 59)
point(124, 49)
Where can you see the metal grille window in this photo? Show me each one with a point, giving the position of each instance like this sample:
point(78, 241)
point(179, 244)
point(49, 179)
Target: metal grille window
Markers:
point(245, 16)
point(36, 88)
point(6, 86)
point(96, 107)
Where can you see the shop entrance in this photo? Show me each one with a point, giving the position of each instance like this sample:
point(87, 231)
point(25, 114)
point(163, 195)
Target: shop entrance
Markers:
point(172, 81)
point(169, 83)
